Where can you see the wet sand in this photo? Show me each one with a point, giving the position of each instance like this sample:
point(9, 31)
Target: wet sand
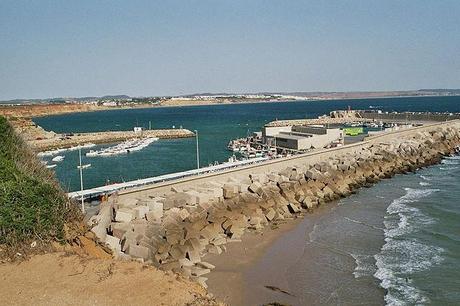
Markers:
point(228, 280)
point(324, 258)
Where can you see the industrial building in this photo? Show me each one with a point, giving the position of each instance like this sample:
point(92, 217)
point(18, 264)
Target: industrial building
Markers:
point(302, 138)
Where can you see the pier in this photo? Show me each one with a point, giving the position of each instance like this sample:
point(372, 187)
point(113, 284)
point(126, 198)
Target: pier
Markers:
point(73, 139)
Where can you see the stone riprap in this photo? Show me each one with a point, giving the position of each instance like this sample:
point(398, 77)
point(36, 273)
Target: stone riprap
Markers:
point(176, 228)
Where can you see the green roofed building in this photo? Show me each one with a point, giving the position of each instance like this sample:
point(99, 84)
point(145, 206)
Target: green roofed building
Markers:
point(353, 131)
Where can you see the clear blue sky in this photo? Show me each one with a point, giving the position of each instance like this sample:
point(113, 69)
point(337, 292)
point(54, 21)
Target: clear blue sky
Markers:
point(142, 48)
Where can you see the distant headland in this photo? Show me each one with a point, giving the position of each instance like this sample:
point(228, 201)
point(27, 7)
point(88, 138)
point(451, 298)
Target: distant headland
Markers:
point(212, 98)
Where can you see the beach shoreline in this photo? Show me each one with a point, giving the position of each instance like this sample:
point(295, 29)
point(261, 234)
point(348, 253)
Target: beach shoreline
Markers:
point(263, 267)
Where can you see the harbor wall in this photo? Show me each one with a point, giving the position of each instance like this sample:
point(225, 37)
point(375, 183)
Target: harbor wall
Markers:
point(174, 224)
point(410, 117)
point(104, 137)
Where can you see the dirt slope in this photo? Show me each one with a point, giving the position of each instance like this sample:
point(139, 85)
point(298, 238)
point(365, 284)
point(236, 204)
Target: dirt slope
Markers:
point(60, 279)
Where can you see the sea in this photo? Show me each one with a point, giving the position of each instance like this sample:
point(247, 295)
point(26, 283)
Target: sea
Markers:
point(400, 238)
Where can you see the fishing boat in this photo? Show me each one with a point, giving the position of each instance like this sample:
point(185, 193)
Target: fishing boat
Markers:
point(58, 158)
point(51, 166)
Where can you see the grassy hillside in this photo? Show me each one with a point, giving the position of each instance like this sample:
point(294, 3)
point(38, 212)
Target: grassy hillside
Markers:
point(32, 205)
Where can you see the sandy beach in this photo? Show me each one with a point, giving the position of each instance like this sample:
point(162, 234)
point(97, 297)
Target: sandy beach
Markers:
point(324, 257)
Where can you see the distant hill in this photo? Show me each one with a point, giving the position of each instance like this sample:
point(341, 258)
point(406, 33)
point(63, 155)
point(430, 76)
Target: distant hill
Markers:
point(323, 94)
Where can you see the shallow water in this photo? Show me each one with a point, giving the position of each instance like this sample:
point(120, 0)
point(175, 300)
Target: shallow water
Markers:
point(401, 235)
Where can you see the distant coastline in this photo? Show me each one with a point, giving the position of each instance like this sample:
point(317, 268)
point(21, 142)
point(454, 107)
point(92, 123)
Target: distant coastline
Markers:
point(27, 109)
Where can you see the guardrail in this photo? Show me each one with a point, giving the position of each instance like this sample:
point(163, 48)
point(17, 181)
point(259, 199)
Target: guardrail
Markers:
point(88, 193)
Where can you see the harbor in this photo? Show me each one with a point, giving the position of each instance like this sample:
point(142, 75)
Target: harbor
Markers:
point(67, 140)
point(275, 141)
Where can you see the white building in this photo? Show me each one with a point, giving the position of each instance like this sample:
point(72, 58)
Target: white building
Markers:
point(301, 137)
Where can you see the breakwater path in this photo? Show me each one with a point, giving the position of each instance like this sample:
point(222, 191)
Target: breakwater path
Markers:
point(104, 137)
point(173, 225)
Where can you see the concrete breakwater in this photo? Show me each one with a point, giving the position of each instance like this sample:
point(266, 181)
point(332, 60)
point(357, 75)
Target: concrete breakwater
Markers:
point(176, 225)
point(104, 137)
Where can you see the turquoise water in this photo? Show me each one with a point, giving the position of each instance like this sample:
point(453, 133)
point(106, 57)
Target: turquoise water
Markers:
point(418, 262)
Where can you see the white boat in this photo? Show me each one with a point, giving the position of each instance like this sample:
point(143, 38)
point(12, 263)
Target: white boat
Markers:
point(84, 166)
point(51, 166)
point(58, 158)
point(57, 151)
point(124, 147)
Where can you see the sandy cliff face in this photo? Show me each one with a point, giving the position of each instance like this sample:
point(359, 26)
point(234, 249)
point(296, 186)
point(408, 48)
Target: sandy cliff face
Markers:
point(35, 110)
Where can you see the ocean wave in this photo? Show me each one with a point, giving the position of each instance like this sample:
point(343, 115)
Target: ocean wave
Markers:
point(401, 256)
point(450, 161)
point(423, 177)
point(448, 168)
point(408, 218)
point(365, 265)
point(424, 184)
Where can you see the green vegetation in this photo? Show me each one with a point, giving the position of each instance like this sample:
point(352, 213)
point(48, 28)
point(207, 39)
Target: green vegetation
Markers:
point(32, 205)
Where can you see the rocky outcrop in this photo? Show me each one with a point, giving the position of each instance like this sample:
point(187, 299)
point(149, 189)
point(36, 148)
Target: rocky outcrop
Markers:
point(176, 229)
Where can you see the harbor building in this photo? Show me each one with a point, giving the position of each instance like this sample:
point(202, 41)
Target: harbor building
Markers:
point(302, 138)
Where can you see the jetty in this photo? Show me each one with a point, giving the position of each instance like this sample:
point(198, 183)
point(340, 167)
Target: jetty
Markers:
point(368, 116)
point(175, 223)
point(67, 140)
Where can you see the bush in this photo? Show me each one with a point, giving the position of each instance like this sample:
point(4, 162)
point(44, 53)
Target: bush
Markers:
point(32, 205)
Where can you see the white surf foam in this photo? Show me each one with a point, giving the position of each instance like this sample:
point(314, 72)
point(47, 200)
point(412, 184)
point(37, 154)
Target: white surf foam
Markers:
point(365, 265)
point(401, 256)
point(408, 218)
point(404, 257)
point(425, 178)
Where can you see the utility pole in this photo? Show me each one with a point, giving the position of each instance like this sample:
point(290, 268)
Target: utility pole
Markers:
point(197, 151)
point(150, 125)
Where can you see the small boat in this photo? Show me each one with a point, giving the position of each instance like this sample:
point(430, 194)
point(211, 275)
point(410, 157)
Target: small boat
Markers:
point(51, 166)
point(84, 166)
point(58, 158)
point(126, 147)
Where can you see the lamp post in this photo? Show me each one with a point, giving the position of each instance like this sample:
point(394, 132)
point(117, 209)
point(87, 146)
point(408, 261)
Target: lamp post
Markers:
point(80, 167)
point(197, 151)
point(81, 181)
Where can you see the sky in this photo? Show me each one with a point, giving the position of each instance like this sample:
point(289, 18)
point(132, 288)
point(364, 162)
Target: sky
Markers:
point(150, 48)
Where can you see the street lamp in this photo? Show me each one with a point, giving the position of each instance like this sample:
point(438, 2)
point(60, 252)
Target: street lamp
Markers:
point(197, 151)
point(80, 167)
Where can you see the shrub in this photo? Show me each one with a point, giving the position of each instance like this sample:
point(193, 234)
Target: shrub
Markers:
point(32, 205)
